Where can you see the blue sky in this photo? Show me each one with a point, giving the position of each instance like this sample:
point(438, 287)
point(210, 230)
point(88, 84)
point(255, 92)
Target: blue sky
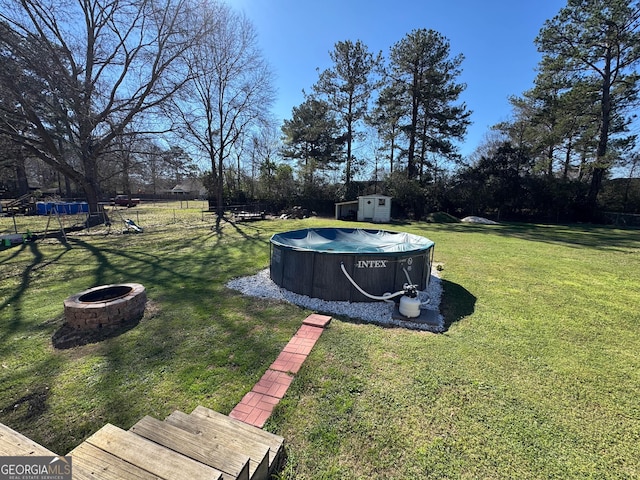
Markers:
point(495, 36)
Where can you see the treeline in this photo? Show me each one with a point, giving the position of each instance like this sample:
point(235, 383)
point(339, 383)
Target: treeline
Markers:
point(572, 137)
point(101, 98)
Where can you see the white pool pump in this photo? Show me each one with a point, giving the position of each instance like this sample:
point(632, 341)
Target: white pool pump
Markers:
point(409, 302)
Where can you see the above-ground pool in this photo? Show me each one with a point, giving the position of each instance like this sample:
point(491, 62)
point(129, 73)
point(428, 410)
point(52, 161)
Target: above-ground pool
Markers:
point(309, 262)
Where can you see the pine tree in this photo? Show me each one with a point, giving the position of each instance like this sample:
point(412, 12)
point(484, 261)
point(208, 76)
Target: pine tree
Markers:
point(347, 87)
point(598, 41)
point(425, 74)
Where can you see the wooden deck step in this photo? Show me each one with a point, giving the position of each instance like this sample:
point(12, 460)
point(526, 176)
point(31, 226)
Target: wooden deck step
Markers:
point(243, 430)
point(92, 463)
point(126, 447)
point(233, 464)
point(257, 451)
point(13, 443)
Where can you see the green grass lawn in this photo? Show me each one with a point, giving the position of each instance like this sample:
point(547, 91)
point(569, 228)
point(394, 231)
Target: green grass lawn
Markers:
point(537, 376)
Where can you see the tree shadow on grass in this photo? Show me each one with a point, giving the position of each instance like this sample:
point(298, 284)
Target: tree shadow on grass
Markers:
point(231, 345)
point(599, 237)
point(244, 230)
point(15, 301)
point(457, 303)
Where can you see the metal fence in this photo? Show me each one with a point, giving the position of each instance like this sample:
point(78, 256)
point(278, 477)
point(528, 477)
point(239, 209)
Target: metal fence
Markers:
point(622, 219)
point(152, 213)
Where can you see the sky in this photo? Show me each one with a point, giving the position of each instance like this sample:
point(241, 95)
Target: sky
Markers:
point(496, 37)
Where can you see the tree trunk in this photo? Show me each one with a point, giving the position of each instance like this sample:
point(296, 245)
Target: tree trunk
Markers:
point(601, 165)
point(219, 192)
point(126, 184)
point(21, 175)
point(67, 187)
point(567, 160)
point(91, 188)
point(347, 173)
point(97, 215)
point(393, 146)
point(411, 166)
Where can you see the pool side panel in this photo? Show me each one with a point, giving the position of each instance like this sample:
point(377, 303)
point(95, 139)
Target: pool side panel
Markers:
point(296, 267)
point(417, 268)
point(319, 274)
point(375, 275)
point(328, 282)
point(276, 265)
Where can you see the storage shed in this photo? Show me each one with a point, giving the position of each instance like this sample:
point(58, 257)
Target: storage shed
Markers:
point(368, 208)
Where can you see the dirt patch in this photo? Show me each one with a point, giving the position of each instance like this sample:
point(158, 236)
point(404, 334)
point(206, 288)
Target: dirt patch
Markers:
point(27, 407)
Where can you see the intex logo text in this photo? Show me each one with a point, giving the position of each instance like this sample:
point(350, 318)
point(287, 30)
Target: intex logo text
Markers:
point(371, 264)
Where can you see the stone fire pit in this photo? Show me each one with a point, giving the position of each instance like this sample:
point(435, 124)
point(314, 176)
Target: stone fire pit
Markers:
point(105, 306)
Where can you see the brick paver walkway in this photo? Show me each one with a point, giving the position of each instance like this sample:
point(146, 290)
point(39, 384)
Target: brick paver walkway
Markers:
point(257, 405)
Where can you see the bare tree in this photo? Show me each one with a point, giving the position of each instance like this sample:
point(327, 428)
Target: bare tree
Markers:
point(101, 67)
point(230, 93)
point(265, 146)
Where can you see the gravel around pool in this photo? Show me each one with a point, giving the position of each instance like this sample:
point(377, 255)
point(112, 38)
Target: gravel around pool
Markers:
point(380, 313)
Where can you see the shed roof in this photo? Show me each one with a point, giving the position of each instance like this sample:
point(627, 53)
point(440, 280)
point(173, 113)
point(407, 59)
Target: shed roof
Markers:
point(350, 202)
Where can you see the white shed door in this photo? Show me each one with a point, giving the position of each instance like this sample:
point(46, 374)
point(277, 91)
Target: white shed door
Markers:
point(369, 208)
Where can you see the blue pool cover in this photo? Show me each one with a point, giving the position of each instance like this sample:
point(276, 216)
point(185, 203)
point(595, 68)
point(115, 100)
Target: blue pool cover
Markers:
point(351, 240)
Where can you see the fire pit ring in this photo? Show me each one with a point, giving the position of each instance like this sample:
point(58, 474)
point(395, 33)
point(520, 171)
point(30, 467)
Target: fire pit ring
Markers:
point(105, 306)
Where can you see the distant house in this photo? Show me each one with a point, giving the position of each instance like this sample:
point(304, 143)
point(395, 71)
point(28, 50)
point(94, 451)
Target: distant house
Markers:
point(368, 208)
point(190, 188)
